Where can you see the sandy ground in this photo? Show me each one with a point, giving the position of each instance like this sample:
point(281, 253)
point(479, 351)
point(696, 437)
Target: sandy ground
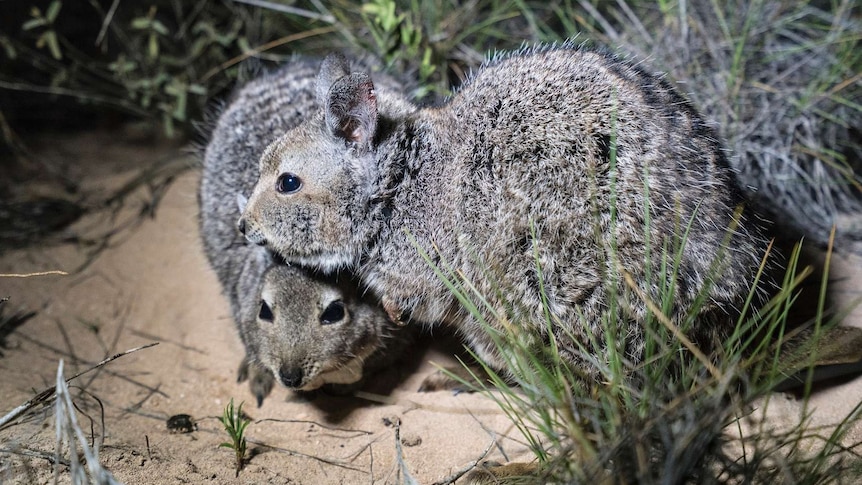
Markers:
point(154, 285)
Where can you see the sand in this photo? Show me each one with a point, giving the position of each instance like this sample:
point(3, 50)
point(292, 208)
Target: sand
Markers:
point(153, 284)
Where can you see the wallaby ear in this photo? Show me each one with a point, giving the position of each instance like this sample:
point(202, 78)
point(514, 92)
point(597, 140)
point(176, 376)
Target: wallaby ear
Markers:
point(351, 109)
point(334, 67)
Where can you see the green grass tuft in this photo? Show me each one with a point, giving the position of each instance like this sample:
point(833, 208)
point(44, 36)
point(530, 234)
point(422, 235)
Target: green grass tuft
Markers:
point(235, 422)
point(671, 418)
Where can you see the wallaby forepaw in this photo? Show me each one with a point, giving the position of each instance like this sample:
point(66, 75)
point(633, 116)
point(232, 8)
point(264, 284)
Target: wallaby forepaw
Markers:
point(261, 384)
point(242, 372)
point(260, 380)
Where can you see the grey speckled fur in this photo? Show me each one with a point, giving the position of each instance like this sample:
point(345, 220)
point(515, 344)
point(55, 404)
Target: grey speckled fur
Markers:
point(294, 346)
point(257, 114)
point(515, 168)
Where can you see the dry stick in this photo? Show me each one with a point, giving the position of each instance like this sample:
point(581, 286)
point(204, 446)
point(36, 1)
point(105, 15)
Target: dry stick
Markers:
point(28, 275)
point(269, 45)
point(671, 326)
point(49, 392)
point(473, 464)
point(108, 17)
point(371, 465)
point(122, 376)
point(497, 438)
point(166, 340)
point(403, 472)
point(370, 447)
point(299, 454)
point(308, 421)
point(50, 457)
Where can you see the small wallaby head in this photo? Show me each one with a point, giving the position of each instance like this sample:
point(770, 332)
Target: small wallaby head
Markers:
point(310, 331)
point(316, 180)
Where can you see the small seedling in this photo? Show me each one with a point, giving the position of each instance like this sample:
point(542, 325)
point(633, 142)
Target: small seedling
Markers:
point(235, 423)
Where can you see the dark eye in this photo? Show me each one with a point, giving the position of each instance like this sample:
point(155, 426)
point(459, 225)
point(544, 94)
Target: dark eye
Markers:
point(265, 313)
point(334, 313)
point(288, 183)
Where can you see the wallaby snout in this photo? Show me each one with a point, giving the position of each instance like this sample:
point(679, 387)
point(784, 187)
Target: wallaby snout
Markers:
point(251, 231)
point(291, 377)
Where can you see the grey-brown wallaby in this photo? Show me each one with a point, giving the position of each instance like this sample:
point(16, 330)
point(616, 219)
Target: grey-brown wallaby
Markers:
point(554, 176)
point(306, 329)
point(310, 330)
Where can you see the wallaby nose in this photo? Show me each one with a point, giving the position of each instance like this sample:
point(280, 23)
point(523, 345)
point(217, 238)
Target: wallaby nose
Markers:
point(290, 377)
point(251, 234)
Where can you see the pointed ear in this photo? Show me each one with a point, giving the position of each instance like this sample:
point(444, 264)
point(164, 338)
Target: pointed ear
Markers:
point(334, 67)
point(351, 109)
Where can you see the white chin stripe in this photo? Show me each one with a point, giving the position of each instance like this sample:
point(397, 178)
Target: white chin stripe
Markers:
point(348, 374)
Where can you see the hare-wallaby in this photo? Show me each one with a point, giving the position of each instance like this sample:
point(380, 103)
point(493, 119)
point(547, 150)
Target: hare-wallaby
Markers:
point(297, 343)
point(310, 330)
point(557, 180)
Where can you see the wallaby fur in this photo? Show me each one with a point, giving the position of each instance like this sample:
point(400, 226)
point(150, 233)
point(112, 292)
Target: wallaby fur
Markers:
point(552, 173)
point(295, 346)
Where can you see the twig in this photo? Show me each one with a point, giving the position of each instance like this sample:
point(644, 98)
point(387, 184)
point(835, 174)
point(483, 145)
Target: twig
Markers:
point(28, 275)
point(269, 45)
point(108, 17)
point(84, 460)
point(304, 455)
point(49, 392)
point(50, 457)
point(123, 376)
point(473, 464)
point(163, 339)
point(404, 473)
point(368, 446)
point(101, 416)
point(371, 464)
point(307, 421)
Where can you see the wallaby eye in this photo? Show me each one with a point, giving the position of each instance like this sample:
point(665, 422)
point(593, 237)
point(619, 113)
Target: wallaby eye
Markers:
point(265, 313)
point(334, 313)
point(288, 183)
